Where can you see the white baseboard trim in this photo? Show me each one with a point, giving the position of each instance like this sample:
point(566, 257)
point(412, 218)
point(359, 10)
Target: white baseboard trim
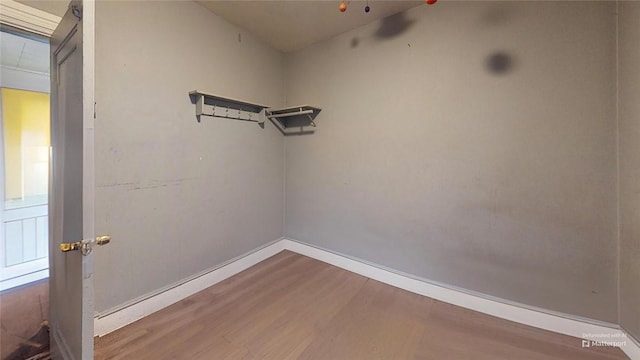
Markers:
point(520, 314)
point(115, 319)
point(633, 349)
point(59, 346)
point(559, 323)
point(23, 279)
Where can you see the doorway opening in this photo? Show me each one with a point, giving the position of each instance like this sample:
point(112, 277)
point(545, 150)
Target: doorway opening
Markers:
point(24, 187)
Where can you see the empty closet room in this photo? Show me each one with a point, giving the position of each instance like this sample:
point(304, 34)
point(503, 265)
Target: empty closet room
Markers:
point(480, 155)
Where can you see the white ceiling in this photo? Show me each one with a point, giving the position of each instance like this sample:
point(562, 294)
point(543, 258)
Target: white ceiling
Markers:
point(292, 25)
point(25, 54)
point(286, 25)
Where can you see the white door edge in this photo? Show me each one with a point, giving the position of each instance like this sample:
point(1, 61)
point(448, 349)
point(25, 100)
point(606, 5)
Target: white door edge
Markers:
point(88, 172)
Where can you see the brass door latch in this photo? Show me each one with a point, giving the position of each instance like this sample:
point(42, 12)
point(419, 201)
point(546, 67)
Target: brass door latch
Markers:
point(85, 246)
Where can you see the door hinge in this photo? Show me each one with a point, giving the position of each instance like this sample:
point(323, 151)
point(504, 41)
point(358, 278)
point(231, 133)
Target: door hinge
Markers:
point(76, 10)
point(94, 110)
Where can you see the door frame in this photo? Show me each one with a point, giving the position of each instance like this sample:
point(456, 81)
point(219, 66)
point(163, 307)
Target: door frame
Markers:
point(32, 270)
point(32, 20)
point(23, 18)
point(27, 18)
point(88, 162)
point(2, 176)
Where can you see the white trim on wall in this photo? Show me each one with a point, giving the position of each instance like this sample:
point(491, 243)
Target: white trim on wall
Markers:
point(559, 323)
point(25, 17)
point(114, 319)
point(633, 349)
point(24, 279)
point(443, 292)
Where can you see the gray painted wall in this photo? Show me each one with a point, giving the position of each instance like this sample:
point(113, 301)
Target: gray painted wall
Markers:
point(629, 118)
point(178, 196)
point(428, 162)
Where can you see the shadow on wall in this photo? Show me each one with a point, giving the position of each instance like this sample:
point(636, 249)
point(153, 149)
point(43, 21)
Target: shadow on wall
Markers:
point(500, 63)
point(393, 26)
point(390, 27)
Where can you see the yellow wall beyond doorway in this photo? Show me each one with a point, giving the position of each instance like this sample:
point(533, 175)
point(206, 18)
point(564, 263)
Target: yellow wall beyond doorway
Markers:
point(25, 118)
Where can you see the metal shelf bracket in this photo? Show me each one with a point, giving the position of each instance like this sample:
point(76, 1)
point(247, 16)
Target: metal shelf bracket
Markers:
point(294, 120)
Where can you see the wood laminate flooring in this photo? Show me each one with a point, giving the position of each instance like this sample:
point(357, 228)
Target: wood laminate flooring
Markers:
point(293, 307)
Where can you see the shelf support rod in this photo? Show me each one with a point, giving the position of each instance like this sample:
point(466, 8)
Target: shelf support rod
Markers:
point(303, 112)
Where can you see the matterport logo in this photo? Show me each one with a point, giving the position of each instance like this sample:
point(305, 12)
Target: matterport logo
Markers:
point(604, 339)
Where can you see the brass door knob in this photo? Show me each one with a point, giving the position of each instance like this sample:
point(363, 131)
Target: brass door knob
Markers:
point(65, 247)
point(103, 239)
point(85, 245)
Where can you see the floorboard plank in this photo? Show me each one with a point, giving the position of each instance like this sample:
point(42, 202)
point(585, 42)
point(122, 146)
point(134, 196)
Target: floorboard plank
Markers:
point(293, 307)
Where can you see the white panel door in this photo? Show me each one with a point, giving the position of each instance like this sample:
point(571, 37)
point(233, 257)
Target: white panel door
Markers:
point(71, 188)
